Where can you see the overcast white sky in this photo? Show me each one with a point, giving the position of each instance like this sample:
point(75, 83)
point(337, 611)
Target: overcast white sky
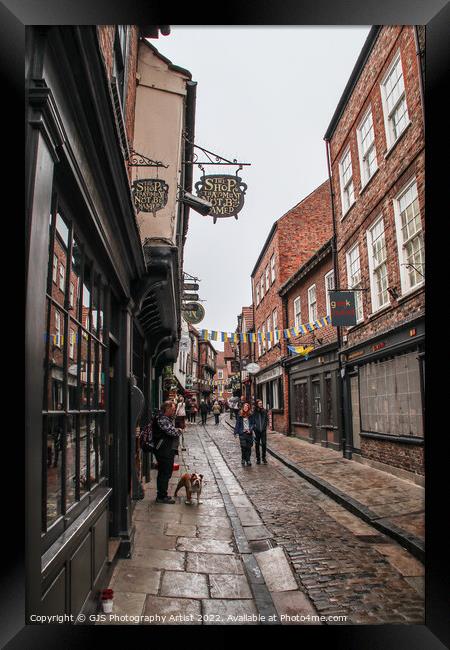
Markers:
point(265, 95)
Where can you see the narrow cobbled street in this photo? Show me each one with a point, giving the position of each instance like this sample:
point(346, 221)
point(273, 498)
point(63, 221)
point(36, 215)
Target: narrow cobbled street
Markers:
point(265, 546)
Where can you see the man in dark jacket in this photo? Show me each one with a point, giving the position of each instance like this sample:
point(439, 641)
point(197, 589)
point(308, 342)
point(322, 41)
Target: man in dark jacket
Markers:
point(260, 419)
point(166, 436)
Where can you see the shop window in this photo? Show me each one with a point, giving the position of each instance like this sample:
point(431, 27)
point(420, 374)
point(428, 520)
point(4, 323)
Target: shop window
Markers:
point(73, 442)
point(390, 396)
point(301, 402)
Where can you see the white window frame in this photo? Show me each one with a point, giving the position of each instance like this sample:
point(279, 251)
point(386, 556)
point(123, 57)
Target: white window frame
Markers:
point(71, 293)
point(391, 139)
point(346, 208)
point(275, 325)
point(62, 277)
point(297, 314)
point(258, 300)
point(57, 329)
point(272, 268)
point(220, 374)
point(363, 156)
point(310, 304)
point(328, 289)
point(262, 286)
point(263, 331)
point(269, 342)
point(351, 284)
point(71, 343)
point(404, 274)
point(55, 268)
point(267, 278)
point(372, 270)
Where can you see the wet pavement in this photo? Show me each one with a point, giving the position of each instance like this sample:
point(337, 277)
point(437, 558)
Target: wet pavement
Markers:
point(264, 547)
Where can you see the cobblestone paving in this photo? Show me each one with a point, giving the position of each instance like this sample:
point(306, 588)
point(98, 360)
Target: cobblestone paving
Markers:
point(345, 566)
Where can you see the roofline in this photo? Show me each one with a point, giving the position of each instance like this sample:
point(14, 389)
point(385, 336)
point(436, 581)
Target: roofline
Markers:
point(308, 266)
point(351, 83)
point(172, 66)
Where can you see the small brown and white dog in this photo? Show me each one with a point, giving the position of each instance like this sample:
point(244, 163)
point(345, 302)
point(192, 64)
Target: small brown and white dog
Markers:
point(193, 484)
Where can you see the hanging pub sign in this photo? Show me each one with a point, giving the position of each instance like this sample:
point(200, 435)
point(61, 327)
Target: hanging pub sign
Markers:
point(150, 194)
point(193, 312)
point(224, 192)
point(343, 312)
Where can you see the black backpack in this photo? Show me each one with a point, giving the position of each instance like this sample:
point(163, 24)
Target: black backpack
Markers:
point(148, 442)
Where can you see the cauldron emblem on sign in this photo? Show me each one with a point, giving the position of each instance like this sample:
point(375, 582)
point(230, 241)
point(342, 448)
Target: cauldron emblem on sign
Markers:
point(225, 193)
point(150, 194)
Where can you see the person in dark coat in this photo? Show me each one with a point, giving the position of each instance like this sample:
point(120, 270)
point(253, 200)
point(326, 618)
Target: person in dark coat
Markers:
point(203, 411)
point(166, 436)
point(261, 420)
point(244, 429)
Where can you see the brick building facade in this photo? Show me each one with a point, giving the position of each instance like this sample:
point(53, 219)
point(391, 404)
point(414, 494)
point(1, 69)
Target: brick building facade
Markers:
point(376, 153)
point(293, 239)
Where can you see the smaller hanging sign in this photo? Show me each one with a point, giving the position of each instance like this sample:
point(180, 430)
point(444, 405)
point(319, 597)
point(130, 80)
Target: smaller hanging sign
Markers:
point(343, 312)
point(150, 194)
point(225, 193)
point(193, 312)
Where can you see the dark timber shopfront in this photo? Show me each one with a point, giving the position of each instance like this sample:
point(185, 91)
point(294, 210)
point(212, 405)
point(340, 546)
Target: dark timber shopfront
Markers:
point(102, 320)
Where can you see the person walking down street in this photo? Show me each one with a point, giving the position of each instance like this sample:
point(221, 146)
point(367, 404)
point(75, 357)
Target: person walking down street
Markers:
point(203, 411)
point(209, 406)
point(166, 437)
point(188, 405)
point(194, 412)
point(244, 429)
point(180, 419)
point(216, 410)
point(261, 420)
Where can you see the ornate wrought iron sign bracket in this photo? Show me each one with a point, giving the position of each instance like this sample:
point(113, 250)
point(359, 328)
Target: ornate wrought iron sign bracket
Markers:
point(139, 160)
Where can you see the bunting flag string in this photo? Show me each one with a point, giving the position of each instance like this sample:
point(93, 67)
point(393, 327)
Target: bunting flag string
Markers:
point(273, 336)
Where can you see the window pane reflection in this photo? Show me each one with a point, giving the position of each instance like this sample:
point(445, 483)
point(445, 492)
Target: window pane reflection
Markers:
point(71, 461)
point(84, 423)
point(54, 433)
point(75, 277)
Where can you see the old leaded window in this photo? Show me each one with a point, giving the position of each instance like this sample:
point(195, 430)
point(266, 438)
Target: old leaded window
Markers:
point(301, 406)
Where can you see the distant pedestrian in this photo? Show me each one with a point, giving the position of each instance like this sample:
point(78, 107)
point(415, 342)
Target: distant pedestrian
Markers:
point(188, 405)
point(194, 411)
point(164, 428)
point(180, 418)
point(209, 405)
point(203, 411)
point(261, 420)
point(216, 410)
point(244, 429)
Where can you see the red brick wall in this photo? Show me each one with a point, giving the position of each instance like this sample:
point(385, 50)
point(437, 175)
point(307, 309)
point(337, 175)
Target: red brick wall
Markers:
point(404, 456)
point(106, 35)
point(317, 277)
point(405, 160)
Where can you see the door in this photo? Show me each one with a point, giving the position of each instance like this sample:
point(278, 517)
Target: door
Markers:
point(112, 420)
point(317, 410)
point(354, 395)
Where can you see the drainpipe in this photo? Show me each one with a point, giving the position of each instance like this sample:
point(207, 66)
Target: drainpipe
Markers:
point(346, 452)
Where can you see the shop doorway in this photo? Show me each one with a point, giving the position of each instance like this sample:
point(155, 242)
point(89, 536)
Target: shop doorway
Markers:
point(317, 410)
